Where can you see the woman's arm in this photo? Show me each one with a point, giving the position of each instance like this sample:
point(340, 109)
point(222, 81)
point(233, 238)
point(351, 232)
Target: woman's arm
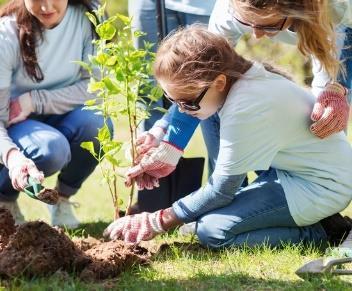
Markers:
point(6, 143)
point(218, 192)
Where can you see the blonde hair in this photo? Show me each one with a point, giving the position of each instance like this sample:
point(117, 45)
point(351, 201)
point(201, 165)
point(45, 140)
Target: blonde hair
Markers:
point(191, 58)
point(313, 25)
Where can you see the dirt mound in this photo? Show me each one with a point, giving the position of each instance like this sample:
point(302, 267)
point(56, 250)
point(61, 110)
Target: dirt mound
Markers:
point(37, 249)
point(111, 258)
point(7, 227)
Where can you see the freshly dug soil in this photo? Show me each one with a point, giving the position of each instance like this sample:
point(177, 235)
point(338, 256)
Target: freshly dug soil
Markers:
point(111, 258)
point(37, 249)
point(49, 196)
point(7, 227)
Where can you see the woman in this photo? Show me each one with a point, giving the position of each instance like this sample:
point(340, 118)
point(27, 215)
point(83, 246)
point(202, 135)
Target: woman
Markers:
point(42, 92)
point(305, 180)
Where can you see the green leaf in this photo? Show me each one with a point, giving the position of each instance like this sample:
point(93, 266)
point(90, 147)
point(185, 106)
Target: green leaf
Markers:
point(94, 86)
point(161, 109)
point(84, 65)
point(111, 61)
point(157, 92)
point(92, 18)
point(119, 75)
point(104, 134)
point(102, 58)
point(111, 86)
point(89, 146)
point(90, 102)
point(106, 30)
point(126, 20)
point(112, 160)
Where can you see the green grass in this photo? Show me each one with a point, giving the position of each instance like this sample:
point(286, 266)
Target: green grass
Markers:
point(179, 268)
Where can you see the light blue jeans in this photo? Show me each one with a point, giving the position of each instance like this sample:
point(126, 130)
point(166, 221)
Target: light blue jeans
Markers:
point(144, 19)
point(258, 215)
point(53, 143)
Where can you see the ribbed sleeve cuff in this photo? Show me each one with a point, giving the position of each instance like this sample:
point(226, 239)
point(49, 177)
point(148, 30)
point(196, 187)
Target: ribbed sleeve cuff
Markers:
point(181, 213)
point(37, 103)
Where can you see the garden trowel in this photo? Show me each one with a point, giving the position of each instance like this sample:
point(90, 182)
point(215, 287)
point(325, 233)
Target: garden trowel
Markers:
point(36, 191)
point(333, 264)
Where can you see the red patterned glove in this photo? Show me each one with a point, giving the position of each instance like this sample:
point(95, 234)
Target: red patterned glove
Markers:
point(135, 228)
point(330, 112)
point(157, 162)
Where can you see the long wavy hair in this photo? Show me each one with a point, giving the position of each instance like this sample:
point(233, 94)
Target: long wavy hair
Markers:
point(313, 24)
point(30, 32)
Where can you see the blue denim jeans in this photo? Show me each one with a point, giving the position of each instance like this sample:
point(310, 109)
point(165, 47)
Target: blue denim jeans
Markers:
point(144, 19)
point(258, 214)
point(346, 59)
point(53, 143)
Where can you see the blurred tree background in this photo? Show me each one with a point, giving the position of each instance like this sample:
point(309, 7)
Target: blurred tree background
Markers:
point(283, 56)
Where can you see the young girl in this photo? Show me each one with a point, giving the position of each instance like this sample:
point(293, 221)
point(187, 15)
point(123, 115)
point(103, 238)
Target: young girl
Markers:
point(264, 125)
point(41, 95)
point(312, 26)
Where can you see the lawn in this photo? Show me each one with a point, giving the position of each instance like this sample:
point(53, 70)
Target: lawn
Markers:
point(178, 268)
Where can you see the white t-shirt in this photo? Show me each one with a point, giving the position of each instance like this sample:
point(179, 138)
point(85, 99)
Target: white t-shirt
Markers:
point(265, 123)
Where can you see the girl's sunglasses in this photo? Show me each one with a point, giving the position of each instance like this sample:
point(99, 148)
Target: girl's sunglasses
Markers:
point(188, 105)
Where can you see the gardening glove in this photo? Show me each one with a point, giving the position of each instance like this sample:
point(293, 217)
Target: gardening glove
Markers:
point(137, 227)
point(20, 108)
point(145, 141)
point(149, 139)
point(20, 168)
point(330, 112)
point(157, 162)
point(145, 181)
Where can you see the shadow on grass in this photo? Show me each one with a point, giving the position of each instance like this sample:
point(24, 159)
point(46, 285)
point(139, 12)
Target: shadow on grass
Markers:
point(94, 229)
point(134, 281)
point(234, 281)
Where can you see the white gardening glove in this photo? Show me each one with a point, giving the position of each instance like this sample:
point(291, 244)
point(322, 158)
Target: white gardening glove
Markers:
point(135, 228)
point(149, 139)
point(157, 162)
point(20, 168)
point(20, 108)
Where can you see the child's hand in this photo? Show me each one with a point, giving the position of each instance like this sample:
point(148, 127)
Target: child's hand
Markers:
point(136, 228)
point(157, 162)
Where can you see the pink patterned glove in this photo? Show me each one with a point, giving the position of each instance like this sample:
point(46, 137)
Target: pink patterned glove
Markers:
point(20, 168)
point(330, 112)
point(157, 162)
point(20, 108)
point(137, 227)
